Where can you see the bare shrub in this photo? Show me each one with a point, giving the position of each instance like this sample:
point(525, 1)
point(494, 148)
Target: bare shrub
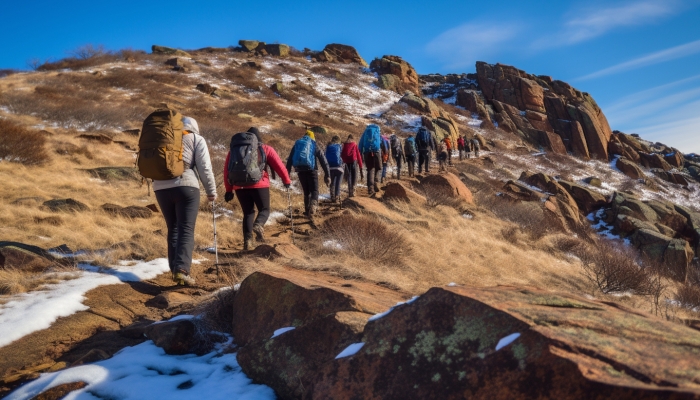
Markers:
point(20, 145)
point(528, 215)
point(688, 296)
point(366, 237)
point(88, 51)
point(6, 72)
point(614, 268)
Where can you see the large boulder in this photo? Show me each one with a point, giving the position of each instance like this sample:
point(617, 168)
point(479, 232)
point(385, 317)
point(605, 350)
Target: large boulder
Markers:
point(450, 184)
point(471, 100)
point(566, 206)
point(513, 343)
point(670, 176)
point(628, 168)
point(389, 82)
point(248, 45)
point(654, 160)
point(542, 104)
point(340, 53)
point(677, 257)
point(269, 301)
point(651, 243)
point(397, 66)
point(586, 199)
point(277, 49)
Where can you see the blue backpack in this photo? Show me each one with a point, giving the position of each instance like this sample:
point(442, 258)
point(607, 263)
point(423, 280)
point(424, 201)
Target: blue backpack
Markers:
point(423, 138)
point(371, 140)
point(304, 154)
point(333, 155)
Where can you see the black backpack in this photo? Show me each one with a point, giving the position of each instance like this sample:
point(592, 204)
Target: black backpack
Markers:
point(246, 161)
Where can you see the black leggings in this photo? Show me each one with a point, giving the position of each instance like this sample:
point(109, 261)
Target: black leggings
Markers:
point(180, 206)
point(423, 159)
point(309, 183)
point(249, 199)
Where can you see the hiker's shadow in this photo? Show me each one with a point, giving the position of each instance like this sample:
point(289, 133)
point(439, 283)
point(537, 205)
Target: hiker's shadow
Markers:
point(123, 276)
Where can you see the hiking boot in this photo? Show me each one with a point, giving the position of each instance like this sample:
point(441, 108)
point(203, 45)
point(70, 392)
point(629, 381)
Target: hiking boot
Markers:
point(333, 199)
point(376, 188)
point(313, 207)
point(248, 243)
point(259, 231)
point(182, 279)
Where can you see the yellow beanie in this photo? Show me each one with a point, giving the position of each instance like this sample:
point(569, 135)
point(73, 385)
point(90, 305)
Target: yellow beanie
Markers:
point(311, 135)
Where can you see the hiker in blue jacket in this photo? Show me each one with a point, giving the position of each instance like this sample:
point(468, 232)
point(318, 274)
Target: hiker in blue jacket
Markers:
point(336, 165)
point(303, 158)
point(370, 147)
point(425, 143)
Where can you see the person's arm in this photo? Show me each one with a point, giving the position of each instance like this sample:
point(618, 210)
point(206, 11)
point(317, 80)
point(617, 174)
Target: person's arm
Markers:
point(203, 166)
point(227, 185)
point(275, 163)
point(324, 163)
point(289, 161)
point(358, 156)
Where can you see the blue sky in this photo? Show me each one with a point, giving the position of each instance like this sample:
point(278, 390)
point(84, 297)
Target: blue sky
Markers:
point(639, 59)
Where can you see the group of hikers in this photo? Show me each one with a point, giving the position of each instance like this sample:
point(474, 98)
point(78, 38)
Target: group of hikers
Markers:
point(174, 155)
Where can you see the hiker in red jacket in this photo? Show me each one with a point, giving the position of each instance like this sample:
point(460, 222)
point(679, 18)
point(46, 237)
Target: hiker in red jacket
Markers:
point(256, 195)
point(460, 147)
point(353, 159)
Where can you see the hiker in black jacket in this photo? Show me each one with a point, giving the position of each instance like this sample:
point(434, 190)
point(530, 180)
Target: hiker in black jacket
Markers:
point(424, 149)
point(308, 177)
point(397, 153)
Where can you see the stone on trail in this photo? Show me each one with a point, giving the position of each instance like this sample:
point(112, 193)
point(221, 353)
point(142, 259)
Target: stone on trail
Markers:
point(175, 337)
point(155, 49)
point(168, 300)
point(398, 191)
point(586, 199)
point(450, 183)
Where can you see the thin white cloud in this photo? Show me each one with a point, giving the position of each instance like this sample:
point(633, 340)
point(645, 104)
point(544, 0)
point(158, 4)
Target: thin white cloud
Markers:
point(683, 134)
point(658, 57)
point(645, 110)
point(642, 96)
point(462, 46)
point(595, 22)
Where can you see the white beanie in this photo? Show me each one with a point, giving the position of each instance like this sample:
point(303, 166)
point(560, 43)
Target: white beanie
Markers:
point(190, 124)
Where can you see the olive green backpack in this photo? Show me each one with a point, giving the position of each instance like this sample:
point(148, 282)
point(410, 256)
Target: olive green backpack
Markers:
point(160, 146)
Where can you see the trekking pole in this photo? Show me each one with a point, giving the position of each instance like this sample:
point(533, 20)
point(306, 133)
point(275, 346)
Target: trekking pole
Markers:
point(291, 212)
point(216, 248)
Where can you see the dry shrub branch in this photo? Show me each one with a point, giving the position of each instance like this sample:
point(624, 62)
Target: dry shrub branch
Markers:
point(20, 145)
point(367, 238)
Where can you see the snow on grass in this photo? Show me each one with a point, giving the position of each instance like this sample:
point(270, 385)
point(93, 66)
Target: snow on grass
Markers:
point(281, 331)
point(146, 372)
point(274, 217)
point(333, 244)
point(507, 340)
point(385, 313)
point(350, 350)
point(30, 312)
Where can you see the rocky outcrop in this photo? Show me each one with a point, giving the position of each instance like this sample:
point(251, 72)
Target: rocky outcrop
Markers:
point(565, 204)
point(339, 53)
point(540, 104)
point(586, 199)
point(264, 49)
point(463, 342)
point(437, 120)
point(664, 232)
point(155, 49)
point(398, 191)
point(472, 101)
point(401, 69)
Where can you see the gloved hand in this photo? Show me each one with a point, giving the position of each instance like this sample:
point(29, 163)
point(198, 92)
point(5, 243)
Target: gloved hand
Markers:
point(327, 181)
point(362, 176)
point(287, 185)
point(228, 196)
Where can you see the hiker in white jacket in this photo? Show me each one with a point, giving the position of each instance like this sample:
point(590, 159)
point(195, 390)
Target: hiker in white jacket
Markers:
point(178, 199)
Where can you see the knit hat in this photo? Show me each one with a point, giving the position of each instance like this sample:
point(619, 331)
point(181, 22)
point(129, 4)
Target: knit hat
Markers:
point(310, 134)
point(255, 131)
point(190, 125)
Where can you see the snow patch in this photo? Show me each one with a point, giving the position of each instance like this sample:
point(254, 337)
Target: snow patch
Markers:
point(144, 371)
point(507, 340)
point(333, 244)
point(350, 350)
point(385, 313)
point(281, 331)
point(30, 312)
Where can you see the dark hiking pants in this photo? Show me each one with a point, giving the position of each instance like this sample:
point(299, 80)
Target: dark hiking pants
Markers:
point(411, 161)
point(336, 180)
point(373, 163)
point(351, 173)
point(309, 183)
point(249, 199)
point(179, 206)
point(423, 160)
point(399, 163)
